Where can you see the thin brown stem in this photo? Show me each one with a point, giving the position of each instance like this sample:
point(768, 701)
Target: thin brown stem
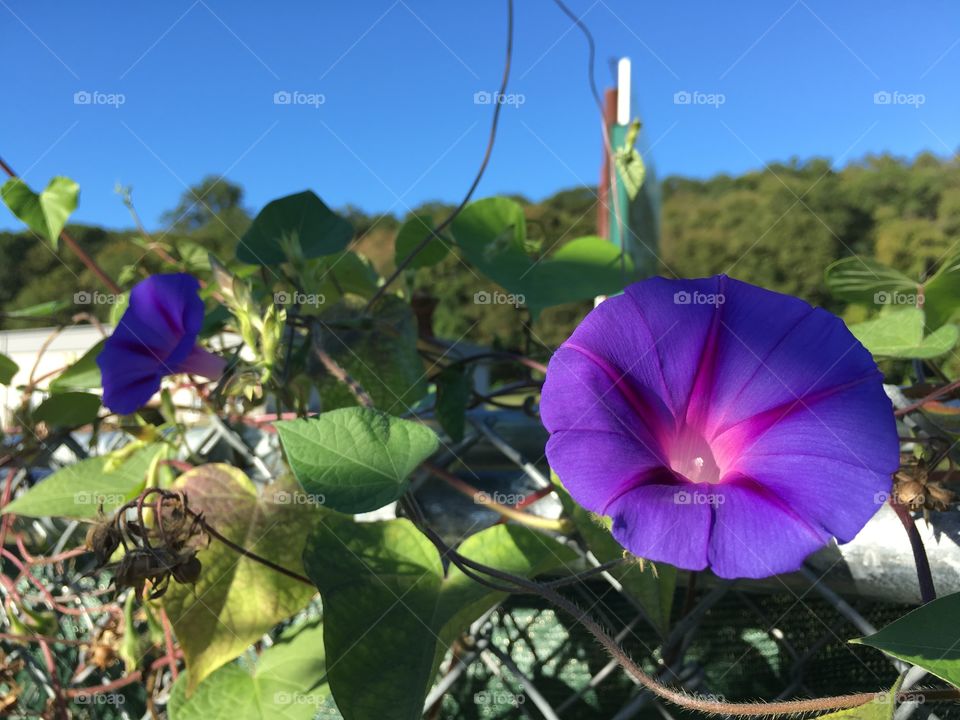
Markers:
point(938, 393)
point(435, 232)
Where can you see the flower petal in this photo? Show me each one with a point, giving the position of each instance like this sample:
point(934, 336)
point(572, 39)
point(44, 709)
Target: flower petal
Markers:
point(596, 467)
point(169, 305)
point(132, 381)
point(657, 522)
point(679, 316)
point(755, 534)
point(600, 439)
point(763, 413)
point(157, 332)
point(817, 355)
point(830, 460)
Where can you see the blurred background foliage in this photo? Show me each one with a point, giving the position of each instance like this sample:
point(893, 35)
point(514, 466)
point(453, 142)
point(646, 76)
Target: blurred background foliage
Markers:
point(779, 227)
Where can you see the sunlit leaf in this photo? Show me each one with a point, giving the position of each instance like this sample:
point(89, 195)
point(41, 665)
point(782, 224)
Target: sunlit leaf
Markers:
point(78, 490)
point(285, 683)
point(358, 459)
point(899, 334)
point(238, 599)
point(630, 167)
point(45, 213)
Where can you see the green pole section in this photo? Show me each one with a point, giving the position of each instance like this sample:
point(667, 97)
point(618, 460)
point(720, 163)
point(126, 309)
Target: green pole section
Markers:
point(637, 230)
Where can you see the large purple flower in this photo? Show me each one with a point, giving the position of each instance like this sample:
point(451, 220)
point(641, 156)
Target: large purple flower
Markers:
point(720, 424)
point(156, 336)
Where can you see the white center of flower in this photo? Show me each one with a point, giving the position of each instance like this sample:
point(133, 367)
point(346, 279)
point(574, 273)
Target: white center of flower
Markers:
point(690, 455)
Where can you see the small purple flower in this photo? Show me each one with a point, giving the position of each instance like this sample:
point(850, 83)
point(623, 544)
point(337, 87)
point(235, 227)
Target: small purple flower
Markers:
point(156, 336)
point(720, 424)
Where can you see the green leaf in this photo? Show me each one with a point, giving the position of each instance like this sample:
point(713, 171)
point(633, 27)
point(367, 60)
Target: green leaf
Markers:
point(926, 637)
point(302, 220)
point(454, 384)
point(349, 273)
point(942, 292)
point(46, 213)
point(131, 650)
point(389, 612)
point(76, 491)
point(42, 310)
point(70, 409)
point(379, 351)
point(411, 234)
point(651, 585)
point(899, 334)
point(236, 599)
point(581, 269)
point(871, 283)
point(629, 162)
point(84, 374)
point(358, 459)
point(865, 281)
point(8, 370)
point(491, 233)
point(285, 683)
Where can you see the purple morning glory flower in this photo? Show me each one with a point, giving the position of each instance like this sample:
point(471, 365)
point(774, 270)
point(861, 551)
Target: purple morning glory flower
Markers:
point(720, 425)
point(156, 336)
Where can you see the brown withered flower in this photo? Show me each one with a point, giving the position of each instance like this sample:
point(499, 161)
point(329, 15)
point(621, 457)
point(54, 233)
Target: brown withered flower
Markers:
point(915, 487)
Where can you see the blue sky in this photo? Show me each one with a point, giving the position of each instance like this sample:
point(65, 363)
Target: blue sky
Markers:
point(398, 124)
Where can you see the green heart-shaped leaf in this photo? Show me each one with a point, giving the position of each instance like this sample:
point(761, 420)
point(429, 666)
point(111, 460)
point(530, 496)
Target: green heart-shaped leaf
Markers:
point(46, 213)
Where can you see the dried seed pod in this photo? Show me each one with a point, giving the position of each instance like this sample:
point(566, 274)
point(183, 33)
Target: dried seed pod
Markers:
point(103, 539)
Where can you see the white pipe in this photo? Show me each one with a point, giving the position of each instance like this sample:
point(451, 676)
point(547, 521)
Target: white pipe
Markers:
point(623, 91)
